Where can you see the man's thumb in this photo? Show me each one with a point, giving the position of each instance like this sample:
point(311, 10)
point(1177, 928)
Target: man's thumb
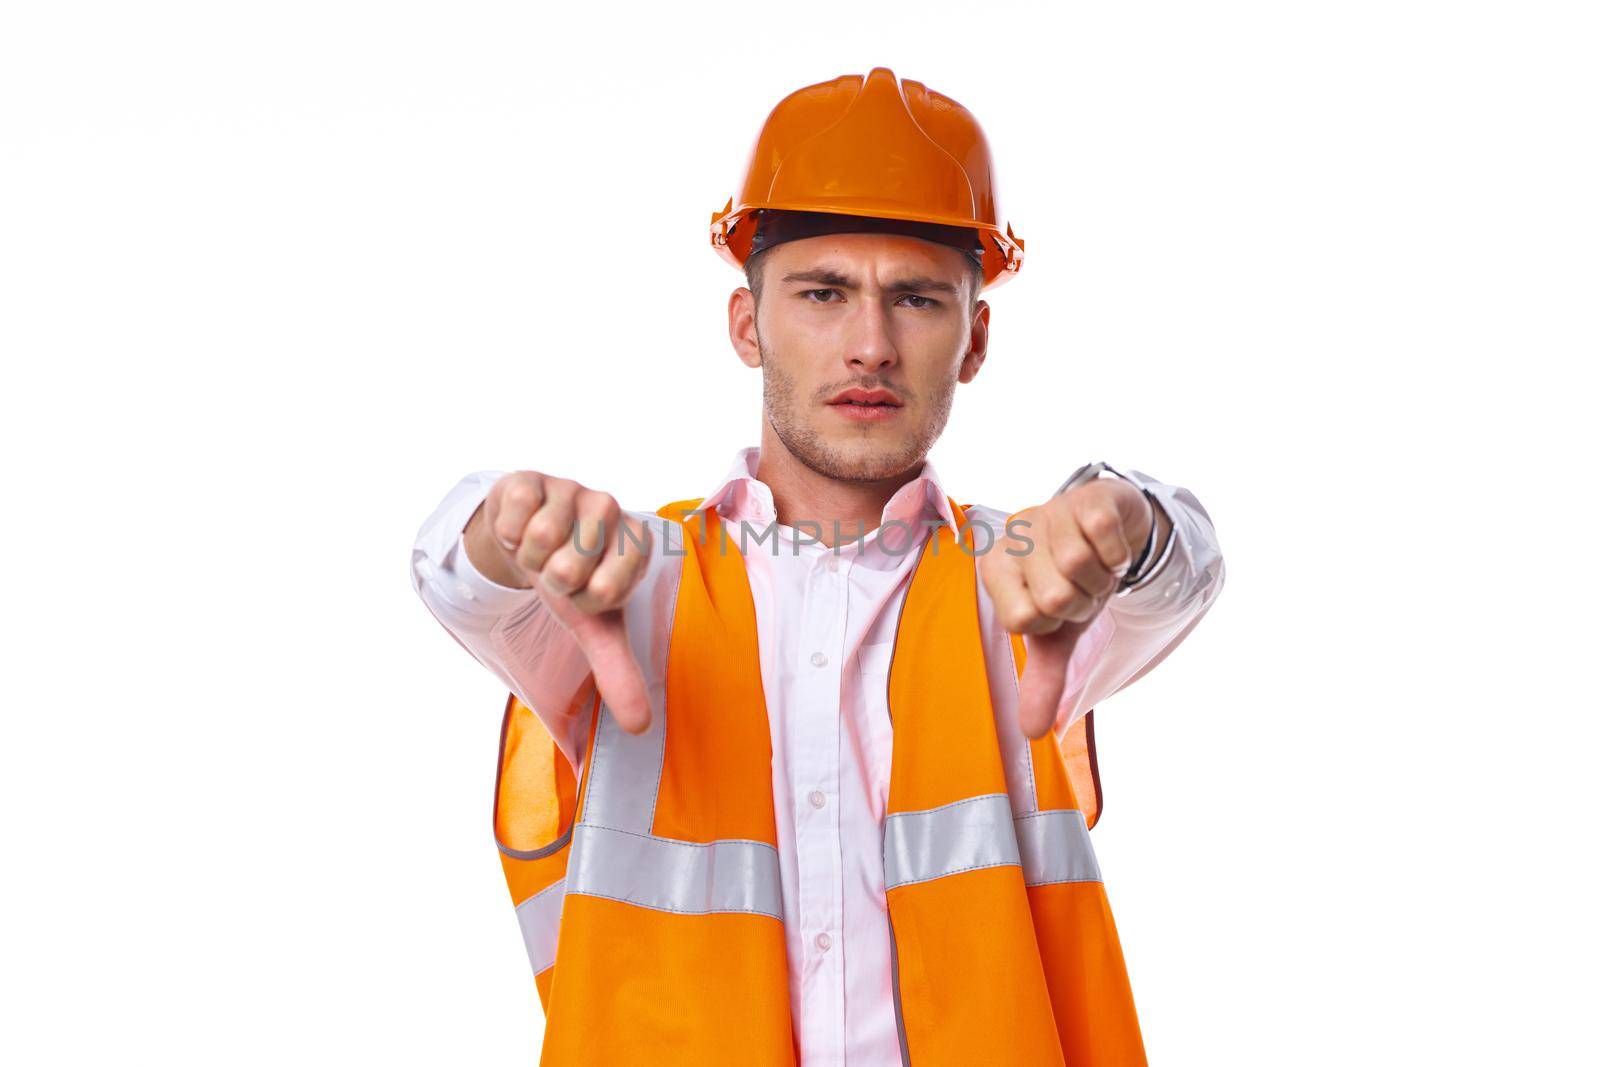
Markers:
point(603, 639)
point(1044, 678)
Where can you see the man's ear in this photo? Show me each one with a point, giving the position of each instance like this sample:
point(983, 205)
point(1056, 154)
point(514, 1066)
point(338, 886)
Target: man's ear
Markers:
point(977, 345)
point(742, 326)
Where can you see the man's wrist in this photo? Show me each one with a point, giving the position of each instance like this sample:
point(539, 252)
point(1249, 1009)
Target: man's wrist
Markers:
point(1142, 562)
point(1161, 535)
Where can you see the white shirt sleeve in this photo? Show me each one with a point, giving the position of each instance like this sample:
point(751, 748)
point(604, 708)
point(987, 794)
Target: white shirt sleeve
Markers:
point(509, 631)
point(1139, 629)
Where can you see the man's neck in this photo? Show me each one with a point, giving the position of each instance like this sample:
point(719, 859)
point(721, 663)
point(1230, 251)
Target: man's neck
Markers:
point(843, 510)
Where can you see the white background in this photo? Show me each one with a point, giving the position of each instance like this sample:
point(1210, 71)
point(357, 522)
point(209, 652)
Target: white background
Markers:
point(274, 276)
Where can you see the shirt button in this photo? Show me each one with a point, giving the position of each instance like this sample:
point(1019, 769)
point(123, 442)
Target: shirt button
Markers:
point(833, 563)
point(818, 659)
point(465, 590)
point(817, 799)
point(824, 942)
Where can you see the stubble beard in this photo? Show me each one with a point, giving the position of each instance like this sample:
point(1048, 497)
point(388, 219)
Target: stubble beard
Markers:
point(876, 462)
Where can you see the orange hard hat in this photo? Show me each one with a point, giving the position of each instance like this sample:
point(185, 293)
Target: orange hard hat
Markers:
point(876, 147)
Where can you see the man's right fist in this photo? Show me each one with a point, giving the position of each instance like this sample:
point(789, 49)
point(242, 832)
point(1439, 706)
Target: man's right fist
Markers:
point(534, 531)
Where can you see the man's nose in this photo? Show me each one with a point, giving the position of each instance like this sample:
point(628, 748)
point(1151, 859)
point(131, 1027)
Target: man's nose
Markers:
point(870, 346)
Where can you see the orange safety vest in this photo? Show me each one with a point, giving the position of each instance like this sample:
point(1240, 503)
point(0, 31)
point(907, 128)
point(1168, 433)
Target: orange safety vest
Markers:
point(649, 895)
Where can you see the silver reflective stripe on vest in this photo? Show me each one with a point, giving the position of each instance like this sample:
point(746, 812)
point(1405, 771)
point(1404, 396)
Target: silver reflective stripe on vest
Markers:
point(624, 772)
point(679, 876)
point(1055, 848)
point(979, 832)
point(1000, 666)
point(625, 769)
point(540, 918)
point(614, 853)
point(922, 845)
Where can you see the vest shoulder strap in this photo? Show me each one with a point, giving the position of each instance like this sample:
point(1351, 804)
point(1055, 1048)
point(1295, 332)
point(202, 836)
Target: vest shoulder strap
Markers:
point(678, 508)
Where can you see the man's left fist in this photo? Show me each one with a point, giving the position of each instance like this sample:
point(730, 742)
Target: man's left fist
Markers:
point(1082, 543)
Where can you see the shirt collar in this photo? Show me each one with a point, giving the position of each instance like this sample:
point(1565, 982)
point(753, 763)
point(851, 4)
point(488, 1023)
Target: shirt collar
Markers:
point(741, 496)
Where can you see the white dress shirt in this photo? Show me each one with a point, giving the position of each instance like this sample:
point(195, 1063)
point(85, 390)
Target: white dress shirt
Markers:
point(825, 621)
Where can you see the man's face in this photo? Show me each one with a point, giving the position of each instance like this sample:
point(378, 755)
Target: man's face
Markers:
point(861, 339)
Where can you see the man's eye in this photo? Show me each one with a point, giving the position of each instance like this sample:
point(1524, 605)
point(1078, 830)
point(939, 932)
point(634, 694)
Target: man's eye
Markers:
point(812, 296)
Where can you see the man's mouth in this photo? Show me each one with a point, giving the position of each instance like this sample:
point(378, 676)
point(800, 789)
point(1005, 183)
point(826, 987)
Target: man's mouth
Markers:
point(866, 405)
point(880, 398)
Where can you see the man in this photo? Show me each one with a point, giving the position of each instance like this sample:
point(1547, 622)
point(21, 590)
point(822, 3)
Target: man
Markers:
point(781, 778)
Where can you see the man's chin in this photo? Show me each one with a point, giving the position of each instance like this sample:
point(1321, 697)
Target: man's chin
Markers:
point(881, 457)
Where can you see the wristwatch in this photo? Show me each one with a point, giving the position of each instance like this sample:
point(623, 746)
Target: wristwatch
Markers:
point(1143, 565)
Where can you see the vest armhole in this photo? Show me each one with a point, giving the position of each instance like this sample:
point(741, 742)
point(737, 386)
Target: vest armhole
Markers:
point(535, 794)
point(1094, 803)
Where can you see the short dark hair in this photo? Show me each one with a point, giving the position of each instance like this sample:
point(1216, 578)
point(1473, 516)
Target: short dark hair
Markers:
point(753, 272)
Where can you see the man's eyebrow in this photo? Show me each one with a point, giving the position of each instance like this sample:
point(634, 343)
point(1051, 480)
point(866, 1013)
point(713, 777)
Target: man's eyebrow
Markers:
point(919, 283)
